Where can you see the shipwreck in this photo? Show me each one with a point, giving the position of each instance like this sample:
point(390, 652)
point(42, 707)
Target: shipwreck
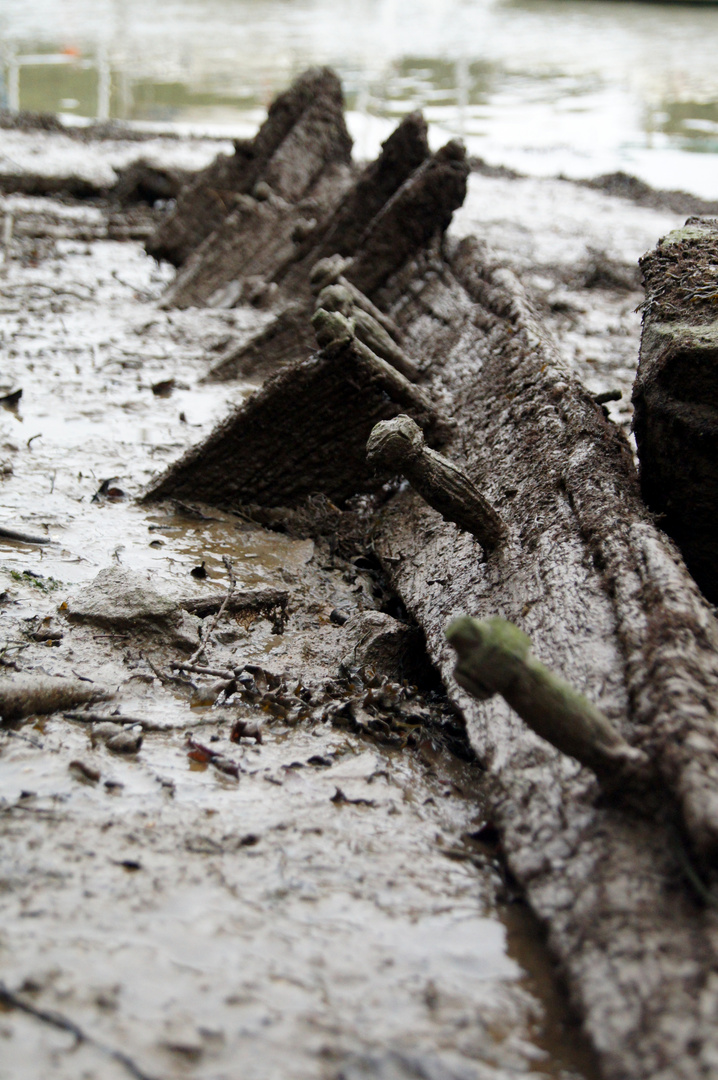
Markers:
point(501, 490)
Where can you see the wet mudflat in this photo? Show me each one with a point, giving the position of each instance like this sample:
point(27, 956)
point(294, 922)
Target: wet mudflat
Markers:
point(330, 911)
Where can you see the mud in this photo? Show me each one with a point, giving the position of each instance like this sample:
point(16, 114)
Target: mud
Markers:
point(328, 901)
point(641, 193)
point(323, 908)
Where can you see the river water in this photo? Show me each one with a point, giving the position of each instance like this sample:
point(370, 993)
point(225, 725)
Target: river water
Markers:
point(579, 87)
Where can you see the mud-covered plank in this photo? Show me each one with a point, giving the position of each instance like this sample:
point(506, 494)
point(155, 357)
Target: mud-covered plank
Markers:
point(413, 219)
point(256, 237)
point(286, 339)
point(610, 607)
point(340, 233)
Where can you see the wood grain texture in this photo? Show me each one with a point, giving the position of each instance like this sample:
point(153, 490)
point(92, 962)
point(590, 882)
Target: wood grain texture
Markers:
point(610, 607)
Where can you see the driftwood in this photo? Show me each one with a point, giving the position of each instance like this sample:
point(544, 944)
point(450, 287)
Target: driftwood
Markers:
point(240, 600)
point(27, 694)
point(676, 393)
point(258, 235)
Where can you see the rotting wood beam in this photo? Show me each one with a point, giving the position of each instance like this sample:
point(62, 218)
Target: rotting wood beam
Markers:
point(399, 220)
point(204, 204)
point(675, 395)
point(304, 432)
point(610, 608)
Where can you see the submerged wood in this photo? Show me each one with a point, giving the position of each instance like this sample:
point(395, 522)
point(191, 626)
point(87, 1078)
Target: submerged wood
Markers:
point(611, 609)
point(420, 211)
point(330, 271)
point(274, 156)
point(676, 394)
point(302, 206)
point(304, 433)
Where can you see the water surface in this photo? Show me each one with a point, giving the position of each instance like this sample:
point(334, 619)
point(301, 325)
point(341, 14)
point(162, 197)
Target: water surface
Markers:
point(547, 86)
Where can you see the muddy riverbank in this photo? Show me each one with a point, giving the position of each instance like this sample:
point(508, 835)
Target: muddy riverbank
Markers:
point(335, 905)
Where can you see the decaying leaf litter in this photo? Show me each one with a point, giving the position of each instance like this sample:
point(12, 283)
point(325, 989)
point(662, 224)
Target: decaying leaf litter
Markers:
point(284, 996)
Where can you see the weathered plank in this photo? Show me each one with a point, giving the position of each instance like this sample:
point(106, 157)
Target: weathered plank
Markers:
point(341, 232)
point(256, 237)
point(288, 338)
point(394, 210)
point(611, 608)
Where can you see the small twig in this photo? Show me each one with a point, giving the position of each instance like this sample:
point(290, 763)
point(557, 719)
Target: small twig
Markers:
point(82, 678)
point(165, 678)
point(209, 627)
point(241, 600)
point(23, 537)
point(62, 1023)
point(125, 284)
point(198, 669)
point(25, 738)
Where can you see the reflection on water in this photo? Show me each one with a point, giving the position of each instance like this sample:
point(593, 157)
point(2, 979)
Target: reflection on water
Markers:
point(581, 86)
